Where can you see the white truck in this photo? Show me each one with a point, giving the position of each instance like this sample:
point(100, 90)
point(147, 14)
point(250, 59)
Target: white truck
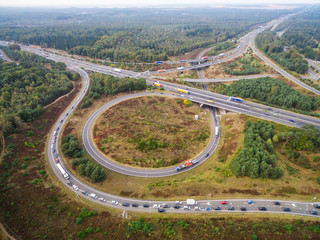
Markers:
point(95, 196)
point(217, 131)
point(117, 70)
point(191, 202)
point(62, 171)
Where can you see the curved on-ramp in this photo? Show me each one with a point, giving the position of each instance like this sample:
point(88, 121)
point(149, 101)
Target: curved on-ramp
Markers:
point(132, 171)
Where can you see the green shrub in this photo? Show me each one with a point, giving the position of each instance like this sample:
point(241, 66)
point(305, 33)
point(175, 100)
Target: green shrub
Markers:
point(81, 234)
point(30, 133)
point(11, 146)
point(79, 220)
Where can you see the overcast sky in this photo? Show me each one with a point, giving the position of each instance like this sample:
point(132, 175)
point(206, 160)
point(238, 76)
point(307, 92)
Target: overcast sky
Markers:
point(140, 3)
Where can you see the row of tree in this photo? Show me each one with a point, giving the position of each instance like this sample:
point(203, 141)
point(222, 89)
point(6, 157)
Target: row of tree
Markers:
point(281, 52)
point(110, 85)
point(257, 158)
point(26, 88)
point(271, 91)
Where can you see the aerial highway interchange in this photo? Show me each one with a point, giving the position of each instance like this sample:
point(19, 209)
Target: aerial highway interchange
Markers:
point(195, 95)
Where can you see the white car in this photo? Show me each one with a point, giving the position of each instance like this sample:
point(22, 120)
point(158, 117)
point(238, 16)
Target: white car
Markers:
point(197, 208)
point(75, 187)
point(156, 206)
point(114, 202)
point(102, 199)
point(95, 196)
point(186, 208)
point(178, 202)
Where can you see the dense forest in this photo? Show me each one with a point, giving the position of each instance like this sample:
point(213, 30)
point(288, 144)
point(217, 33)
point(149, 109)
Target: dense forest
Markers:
point(303, 32)
point(110, 85)
point(276, 48)
point(273, 92)
point(257, 158)
point(143, 35)
point(26, 88)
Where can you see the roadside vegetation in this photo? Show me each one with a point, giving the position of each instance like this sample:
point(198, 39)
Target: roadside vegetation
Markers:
point(26, 88)
point(72, 149)
point(106, 85)
point(152, 131)
point(246, 65)
point(221, 48)
point(257, 158)
point(274, 47)
point(303, 32)
point(299, 141)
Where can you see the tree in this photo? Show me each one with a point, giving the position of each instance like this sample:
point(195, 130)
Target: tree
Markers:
point(98, 174)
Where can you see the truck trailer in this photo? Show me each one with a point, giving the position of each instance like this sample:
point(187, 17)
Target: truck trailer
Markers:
point(191, 202)
point(62, 171)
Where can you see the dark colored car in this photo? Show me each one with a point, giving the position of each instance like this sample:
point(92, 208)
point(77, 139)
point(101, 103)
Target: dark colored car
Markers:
point(135, 205)
point(57, 155)
point(207, 155)
point(243, 209)
point(217, 208)
point(161, 210)
point(208, 208)
point(85, 193)
point(230, 208)
point(69, 183)
point(146, 205)
point(166, 206)
point(316, 206)
point(126, 204)
point(286, 209)
point(262, 208)
point(314, 212)
point(177, 207)
point(276, 203)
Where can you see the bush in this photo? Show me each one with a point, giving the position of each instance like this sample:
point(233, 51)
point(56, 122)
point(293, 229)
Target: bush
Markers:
point(89, 230)
point(30, 133)
point(140, 225)
point(11, 146)
point(79, 220)
point(81, 234)
point(70, 146)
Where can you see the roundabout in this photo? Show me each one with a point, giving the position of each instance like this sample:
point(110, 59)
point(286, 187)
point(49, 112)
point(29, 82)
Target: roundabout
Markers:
point(152, 132)
point(87, 137)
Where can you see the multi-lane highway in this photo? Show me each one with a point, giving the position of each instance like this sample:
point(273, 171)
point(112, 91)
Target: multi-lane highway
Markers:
point(281, 71)
point(229, 79)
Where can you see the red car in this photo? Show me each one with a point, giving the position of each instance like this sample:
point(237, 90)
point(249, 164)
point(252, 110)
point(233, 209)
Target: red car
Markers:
point(57, 160)
point(224, 202)
point(55, 137)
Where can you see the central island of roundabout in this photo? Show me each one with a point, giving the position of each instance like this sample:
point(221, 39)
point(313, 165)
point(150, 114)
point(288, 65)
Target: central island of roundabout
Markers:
point(103, 159)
